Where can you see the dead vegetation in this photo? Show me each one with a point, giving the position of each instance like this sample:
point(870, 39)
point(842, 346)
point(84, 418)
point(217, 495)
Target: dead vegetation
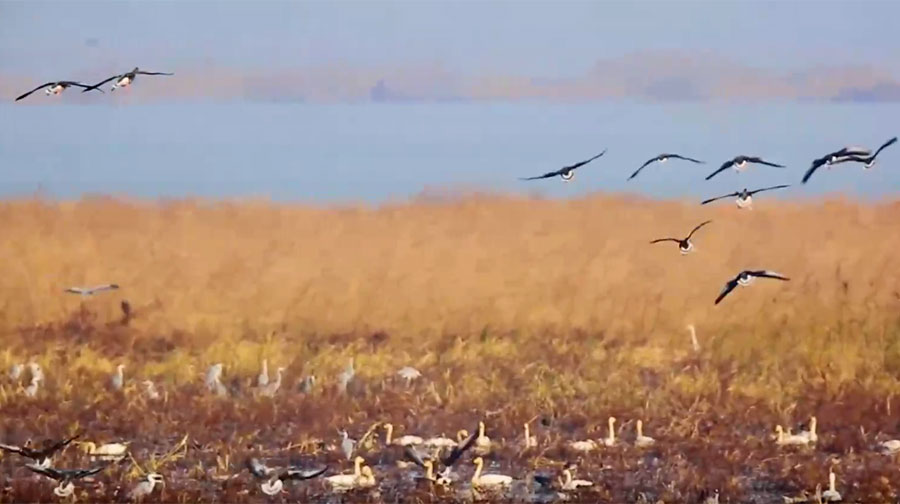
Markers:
point(513, 309)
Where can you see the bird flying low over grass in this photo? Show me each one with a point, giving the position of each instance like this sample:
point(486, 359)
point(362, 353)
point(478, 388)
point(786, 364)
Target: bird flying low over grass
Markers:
point(745, 278)
point(684, 244)
point(90, 291)
point(662, 158)
point(869, 161)
point(739, 163)
point(744, 197)
point(832, 158)
point(567, 173)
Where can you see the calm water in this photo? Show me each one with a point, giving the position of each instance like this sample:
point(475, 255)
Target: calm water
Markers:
point(374, 152)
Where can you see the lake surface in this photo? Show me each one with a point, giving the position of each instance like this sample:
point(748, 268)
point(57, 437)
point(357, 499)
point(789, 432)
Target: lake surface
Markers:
point(376, 152)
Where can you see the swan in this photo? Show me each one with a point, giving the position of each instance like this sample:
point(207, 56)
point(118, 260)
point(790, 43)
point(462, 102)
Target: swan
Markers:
point(270, 389)
point(889, 447)
point(406, 440)
point(529, 441)
point(263, 379)
point(482, 442)
point(583, 446)
point(610, 440)
point(574, 484)
point(811, 433)
point(641, 440)
point(118, 378)
point(489, 481)
point(345, 482)
point(783, 439)
point(831, 495)
point(107, 451)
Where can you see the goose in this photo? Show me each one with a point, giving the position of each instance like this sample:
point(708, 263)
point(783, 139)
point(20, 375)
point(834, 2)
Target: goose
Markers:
point(150, 390)
point(55, 88)
point(583, 445)
point(118, 378)
point(662, 158)
point(39, 454)
point(811, 433)
point(868, 162)
point(831, 495)
point(275, 485)
point(529, 441)
point(745, 278)
point(146, 486)
point(449, 461)
point(567, 173)
point(90, 291)
point(641, 440)
point(570, 484)
point(348, 445)
point(65, 488)
point(739, 163)
point(482, 442)
point(409, 374)
point(402, 440)
point(106, 451)
point(263, 379)
point(272, 388)
point(123, 80)
point(785, 439)
point(685, 246)
point(489, 481)
point(345, 482)
point(744, 197)
point(610, 440)
point(889, 447)
point(832, 158)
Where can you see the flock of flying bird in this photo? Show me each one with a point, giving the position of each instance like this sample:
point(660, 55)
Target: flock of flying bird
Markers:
point(444, 451)
point(744, 197)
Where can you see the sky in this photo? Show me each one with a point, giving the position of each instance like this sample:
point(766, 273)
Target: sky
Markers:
point(340, 50)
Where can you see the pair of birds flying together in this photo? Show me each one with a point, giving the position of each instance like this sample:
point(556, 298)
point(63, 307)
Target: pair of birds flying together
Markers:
point(845, 155)
point(121, 80)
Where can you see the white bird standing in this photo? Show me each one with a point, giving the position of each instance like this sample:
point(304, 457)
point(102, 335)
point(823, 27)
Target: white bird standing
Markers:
point(15, 372)
point(610, 440)
point(482, 442)
point(263, 379)
point(784, 439)
point(118, 378)
point(146, 486)
point(641, 440)
point(346, 377)
point(831, 495)
point(405, 440)
point(213, 380)
point(270, 389)
point(811, 433)
point(409, 374)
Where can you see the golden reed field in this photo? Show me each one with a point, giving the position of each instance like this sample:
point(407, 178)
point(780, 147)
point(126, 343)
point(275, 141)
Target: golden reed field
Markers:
point(556, 313)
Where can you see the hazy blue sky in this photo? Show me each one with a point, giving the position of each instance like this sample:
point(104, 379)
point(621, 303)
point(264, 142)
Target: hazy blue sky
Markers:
point(547, 39)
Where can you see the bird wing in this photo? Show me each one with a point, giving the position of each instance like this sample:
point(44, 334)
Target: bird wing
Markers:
point(679, 156)
point(544, 176)
point(83, 473)
point(726, 165)
point(719, 197)
point(818, 163)
point(698, 227)
point(725, 290)
point(768, 274)
point(42, 86)
point(658, 240)
point(457, 452)
point(141, 72)
point(890, 142)
point(414, 456)
point(642, 167)
point(55, 447)
point(46, 471)
point(11, 449)
point(97, 85)
point(758, 160)
point(581, 163)
point(293, 473)
point(769, 188)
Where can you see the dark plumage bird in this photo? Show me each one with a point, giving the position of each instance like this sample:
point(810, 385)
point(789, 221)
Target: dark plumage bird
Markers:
point(867, 161)
point(55, 88)
point(744, 197)
point(124, 80)
point(745, 278)
point(832, 158)
point(448, 461)
point(739, 163)
point(662, 158)
point(684, 244)
point(39, 454)
point(567, 172)
point(64, 476)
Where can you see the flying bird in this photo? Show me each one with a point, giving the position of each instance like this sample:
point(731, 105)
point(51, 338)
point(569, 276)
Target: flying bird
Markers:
point(39, 454)
point(870, 160)
point(745, 278)
point(662, 158)
point(744, 197)
point(834, 157)
point(276, 484)
point(123, 80)
point(739, 163)
point(567, 172)
point(55, 88)
point(64, 476)
point(90, 291)
point(684, 244)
